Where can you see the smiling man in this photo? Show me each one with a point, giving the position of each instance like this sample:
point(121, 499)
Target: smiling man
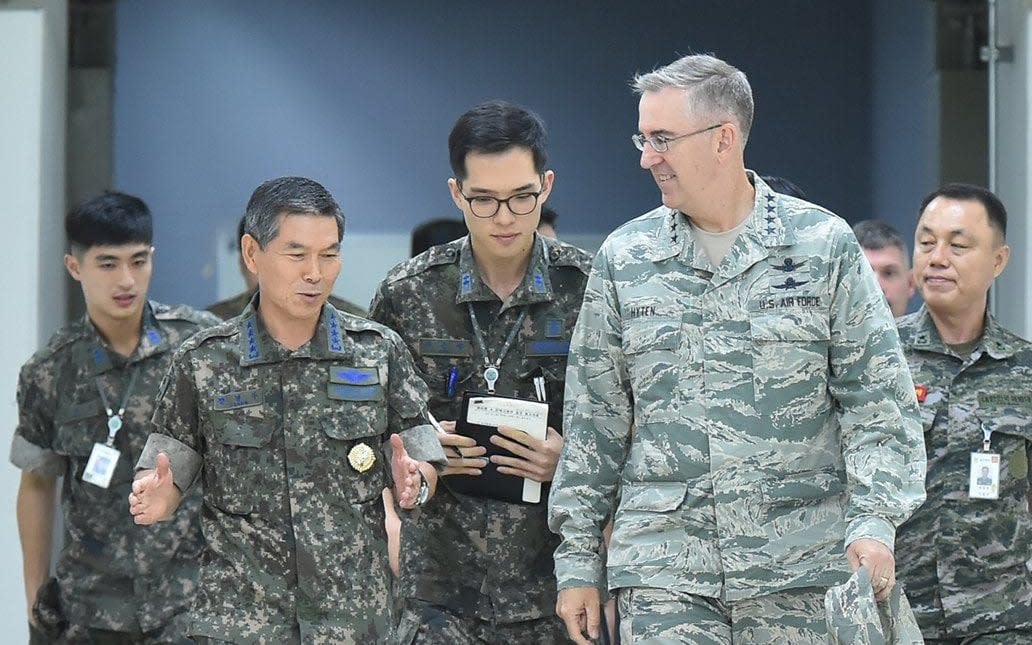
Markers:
point(737, 393)
point(281, 414)
point(500, 302)
point(964, 554)
point(84, 407)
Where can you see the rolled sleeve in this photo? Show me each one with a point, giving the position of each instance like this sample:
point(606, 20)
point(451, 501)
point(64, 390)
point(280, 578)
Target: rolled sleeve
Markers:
point(36, 460)
point(422, 444)
point(185, 461)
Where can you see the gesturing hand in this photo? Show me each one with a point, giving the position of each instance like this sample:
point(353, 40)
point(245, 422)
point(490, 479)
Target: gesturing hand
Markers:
point(155, 496)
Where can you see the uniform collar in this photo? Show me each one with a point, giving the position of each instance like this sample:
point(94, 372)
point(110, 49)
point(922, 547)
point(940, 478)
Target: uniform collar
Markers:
point(535, 287)
point(766, 228)
point(257, 346)
point(995, 340)
point(153, 340)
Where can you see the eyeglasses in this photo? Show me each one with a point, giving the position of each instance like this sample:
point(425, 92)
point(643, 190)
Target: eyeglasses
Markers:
point(661, 143)
point(485, 206)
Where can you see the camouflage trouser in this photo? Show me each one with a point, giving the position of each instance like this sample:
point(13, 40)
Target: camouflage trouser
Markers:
point(1013, 637)
point(660, 617)
point(425, 624)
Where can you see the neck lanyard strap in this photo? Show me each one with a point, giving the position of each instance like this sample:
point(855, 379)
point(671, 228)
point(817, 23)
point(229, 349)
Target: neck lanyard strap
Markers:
point(115, 419)
point(478, 336)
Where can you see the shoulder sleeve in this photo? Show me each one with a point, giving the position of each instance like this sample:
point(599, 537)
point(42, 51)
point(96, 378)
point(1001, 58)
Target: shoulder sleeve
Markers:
point(597, 418)
point(882, 439)
point(175, 424)
point(407, 395)
point(31, 448)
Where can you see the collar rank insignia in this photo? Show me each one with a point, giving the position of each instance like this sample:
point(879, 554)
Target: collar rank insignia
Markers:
point(921, 391)
point(361, 457)
point(790, 283)
point(788, 266)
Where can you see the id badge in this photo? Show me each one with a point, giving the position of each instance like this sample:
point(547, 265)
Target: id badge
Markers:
point(101, 465)
point(984, 478)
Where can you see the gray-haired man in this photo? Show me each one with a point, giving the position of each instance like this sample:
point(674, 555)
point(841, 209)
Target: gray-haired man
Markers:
point(736, 377)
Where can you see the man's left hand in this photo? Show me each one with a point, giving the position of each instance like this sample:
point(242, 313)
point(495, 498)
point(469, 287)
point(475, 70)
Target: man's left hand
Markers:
point(535, 459)
point(879, 561)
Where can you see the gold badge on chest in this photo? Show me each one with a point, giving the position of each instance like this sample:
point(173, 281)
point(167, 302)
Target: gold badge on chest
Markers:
point(361, 457)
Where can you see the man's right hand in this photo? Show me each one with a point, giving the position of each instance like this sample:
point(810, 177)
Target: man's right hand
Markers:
point(579, 609)
point(465, 457)
point(155, 496)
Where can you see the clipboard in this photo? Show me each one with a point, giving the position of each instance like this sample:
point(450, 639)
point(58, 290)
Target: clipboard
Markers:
point(479, 418)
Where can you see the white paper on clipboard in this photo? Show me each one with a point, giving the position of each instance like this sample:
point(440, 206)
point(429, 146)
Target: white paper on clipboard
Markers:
point(529, 416)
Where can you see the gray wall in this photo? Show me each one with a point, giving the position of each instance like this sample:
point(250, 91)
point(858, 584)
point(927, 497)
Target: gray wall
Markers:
point(212, 98)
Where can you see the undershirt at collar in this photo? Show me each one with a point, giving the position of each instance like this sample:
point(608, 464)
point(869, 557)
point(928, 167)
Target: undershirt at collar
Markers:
point(716, 245)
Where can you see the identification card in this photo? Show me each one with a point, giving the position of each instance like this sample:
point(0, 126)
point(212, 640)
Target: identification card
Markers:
point(101, 465)
point(985, 476)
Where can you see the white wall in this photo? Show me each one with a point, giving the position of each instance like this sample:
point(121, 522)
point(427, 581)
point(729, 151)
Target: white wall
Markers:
point(32, 126)
point(1014, 174)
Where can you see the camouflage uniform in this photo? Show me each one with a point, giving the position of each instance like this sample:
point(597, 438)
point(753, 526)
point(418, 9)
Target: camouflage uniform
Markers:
point(232, 307)
point(484, 561)
point(111, 575)
point(773, 417)
point(292, 517)
point(967, 563)
point(854, 617)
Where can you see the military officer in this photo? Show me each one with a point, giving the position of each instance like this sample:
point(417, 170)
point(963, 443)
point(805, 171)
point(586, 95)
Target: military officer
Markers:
point(281, 413)
point(84, 407)
point(964, 555)
point(492, 311)
point(735, 375)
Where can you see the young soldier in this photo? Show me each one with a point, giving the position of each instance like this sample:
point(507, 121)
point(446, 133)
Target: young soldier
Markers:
point(84, 404)
point(491, 311)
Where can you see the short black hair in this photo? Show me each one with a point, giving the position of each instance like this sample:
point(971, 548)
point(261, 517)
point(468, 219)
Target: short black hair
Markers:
point(111, 219)
point(436, 231)
point(783, 186)
point(496, 126)
point(548, 216)
point(970, 192)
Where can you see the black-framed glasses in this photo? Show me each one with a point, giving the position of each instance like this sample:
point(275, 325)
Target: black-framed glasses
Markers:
point(662, 143)
point(485, 206)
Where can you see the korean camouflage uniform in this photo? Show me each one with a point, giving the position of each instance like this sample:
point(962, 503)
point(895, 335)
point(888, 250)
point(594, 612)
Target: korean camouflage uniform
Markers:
point(230, 307)
point(111, 575)
point(773, 417)
point(485, 561)
point(287, 445)
point(967, 563)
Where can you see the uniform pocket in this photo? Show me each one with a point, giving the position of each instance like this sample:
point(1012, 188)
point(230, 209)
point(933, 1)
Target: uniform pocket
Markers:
point(649, 530)
point(790, 366)
point(357, 468)
point(235, 460)
point(653, 364)
point(77, 432)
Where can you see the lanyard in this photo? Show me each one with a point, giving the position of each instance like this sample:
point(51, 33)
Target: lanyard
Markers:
point(114, 422)
point(491, 369)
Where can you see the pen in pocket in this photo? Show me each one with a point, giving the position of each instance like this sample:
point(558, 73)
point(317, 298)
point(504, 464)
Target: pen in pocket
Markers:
point(453, 379)
point(539, 388)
